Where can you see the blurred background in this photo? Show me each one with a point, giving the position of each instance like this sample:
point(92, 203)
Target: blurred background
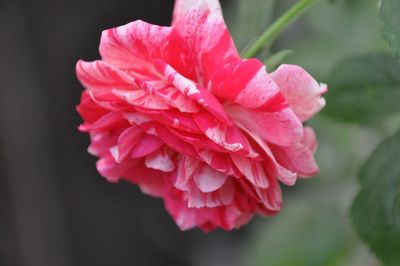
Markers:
point(55, 209)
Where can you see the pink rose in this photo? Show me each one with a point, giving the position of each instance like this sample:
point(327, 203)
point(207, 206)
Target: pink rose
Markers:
point(177, 112)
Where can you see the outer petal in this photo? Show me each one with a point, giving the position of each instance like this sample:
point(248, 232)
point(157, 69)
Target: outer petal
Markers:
point(259, 104)
point(203, 28)
point(113, 171)
point(182, 7)
point(299, 158)
point(247, 83)
point(281, 128)
point(135, 45)
point(300, 89)
point(151, 182)
point(98, 75)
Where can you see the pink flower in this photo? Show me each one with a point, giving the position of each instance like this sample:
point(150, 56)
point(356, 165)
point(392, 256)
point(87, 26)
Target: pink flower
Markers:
point(177, 112)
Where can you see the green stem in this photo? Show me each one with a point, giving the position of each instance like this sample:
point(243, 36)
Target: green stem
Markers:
point(277, 27)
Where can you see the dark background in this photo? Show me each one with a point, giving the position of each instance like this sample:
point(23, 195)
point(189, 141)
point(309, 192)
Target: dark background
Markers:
point(55, 209)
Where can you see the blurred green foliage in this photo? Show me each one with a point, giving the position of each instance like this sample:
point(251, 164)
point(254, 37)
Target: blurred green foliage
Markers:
point(340, 43)
point(389, 17)
point(376, 209)
point(366, 88)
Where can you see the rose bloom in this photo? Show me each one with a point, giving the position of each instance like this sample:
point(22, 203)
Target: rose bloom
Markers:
point(176, 111)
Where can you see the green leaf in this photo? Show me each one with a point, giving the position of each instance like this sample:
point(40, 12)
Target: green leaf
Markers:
point(389, 17)
point(248, 19)
point(376, 209)
point(364, 89)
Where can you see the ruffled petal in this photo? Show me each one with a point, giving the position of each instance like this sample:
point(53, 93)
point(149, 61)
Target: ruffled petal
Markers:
point(192, 90)
point(298, 158)
point(252, 170)
point(228, 137)
point(160, 160)
point(281, 128)
point(182, 7)
point(99, 75)
point(258, 103)
point(203, 28)
point(134, 46)
point(284, 175)
point(301, 90)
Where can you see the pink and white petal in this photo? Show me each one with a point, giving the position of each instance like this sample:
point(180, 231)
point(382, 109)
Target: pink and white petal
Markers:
point(101, 76)
point(160, 160)
point(169, 138)
point(141, 98)
point(192, 90)
point(202, 26)
point(271, 197)
point(281, 128)
point(182, 7)
point(301, 90)
point(170, 95)
point(208, 180)
point(187, 166)
point(196, 140)
point(252, 170)
point(101, 142)
point(185, 217)
point(226, 136)
point(298, 158)
point(174, 119)
point(136, 118)
point(247, 83)
point(132, 46)
point(135, 45)
point(221, 197)
point(284, 175)
point(147, 145)
point(219, 161)
point(113, 171)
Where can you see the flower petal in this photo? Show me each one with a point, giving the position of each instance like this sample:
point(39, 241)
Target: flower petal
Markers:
point(208, 179)
point(141, 98)
point(135, 45)
point(160, 160)
point(99, 75)
point(259, 104)
point(192, 90)
point(298, 158)
point(284, 175)
point(203, 28)
point(281, 128)
point(147, 145)
point(182, 7)
point(126, 141)
point(228, 137)
point(300, 89)
point(252, 170)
